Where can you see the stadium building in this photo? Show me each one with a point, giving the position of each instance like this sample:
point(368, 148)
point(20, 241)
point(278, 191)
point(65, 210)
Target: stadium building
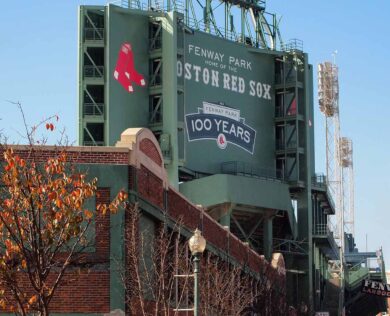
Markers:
point(230, 112)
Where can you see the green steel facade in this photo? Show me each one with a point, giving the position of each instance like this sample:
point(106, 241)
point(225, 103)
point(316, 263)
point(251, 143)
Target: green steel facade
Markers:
point(234, 120)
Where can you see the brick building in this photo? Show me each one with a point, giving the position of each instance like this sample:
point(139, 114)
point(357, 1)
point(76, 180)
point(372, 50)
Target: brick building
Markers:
point(136, 164)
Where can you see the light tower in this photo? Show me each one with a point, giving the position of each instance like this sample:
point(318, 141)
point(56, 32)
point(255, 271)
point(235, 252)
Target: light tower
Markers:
point(346, 150)
point(328, 95)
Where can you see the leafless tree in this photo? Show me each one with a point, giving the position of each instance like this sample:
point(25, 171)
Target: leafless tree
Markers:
point(153, 258)
point(226, 288)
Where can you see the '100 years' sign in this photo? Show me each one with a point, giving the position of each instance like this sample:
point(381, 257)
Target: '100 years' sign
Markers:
point(220, 123)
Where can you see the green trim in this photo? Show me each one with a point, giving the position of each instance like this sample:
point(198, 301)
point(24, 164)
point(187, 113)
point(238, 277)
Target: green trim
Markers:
point(117, 180)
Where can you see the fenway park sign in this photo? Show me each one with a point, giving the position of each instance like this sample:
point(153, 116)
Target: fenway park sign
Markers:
point(376, 288)
point(221, 70)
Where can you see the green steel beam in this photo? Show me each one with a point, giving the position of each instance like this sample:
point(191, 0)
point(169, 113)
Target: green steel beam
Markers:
point(308, 104)
point(243, 11)
point(207, 15)
point(225, 220)
point(169, 92)
point(267, 237)
point(80, 64)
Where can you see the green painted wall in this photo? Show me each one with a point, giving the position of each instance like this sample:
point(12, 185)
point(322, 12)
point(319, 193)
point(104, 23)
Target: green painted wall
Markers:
point(114, 177)
point(210, 69)
point(219, 58)
point(126, 109)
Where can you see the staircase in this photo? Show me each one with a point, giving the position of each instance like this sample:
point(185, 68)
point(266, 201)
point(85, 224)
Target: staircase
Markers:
point(355, 277)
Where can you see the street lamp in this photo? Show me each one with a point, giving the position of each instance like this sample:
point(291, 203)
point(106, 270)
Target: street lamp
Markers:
point(197, 245)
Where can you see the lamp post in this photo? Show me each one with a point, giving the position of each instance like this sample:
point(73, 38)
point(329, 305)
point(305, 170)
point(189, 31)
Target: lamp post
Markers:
point(197, 245)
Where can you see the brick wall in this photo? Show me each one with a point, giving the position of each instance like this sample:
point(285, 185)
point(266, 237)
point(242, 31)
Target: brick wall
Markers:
point(150, 150)
point(150, 187)
point(183, 211)
point(86, 290)
point(132, 173)
point(80, 291)
point(88, 157)
point(102, 226)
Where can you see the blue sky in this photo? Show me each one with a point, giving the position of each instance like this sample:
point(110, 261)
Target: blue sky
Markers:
point(38, 59)
point(357, 31)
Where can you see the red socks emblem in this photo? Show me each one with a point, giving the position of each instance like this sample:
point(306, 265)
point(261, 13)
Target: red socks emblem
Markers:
point(125, 72)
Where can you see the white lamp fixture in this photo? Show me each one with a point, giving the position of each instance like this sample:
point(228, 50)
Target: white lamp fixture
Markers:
point(197, 243)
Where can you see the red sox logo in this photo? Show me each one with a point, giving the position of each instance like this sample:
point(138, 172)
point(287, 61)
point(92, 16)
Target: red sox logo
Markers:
point(221, 142)
point(125, 72)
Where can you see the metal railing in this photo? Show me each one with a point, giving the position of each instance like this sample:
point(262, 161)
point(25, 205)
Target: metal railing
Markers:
point(319, 181)
point(150, 5)
point(231, 35)
point(178, 6)
point(374, 264)
point(93, 34)
point(293, 45)
point(240, 168)
point(91, 71)
point(290, 246)
point(366, 268)
point(321, 229)
point(93, 109)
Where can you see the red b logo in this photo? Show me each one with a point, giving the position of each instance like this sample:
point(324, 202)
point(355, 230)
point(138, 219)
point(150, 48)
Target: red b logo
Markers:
point(125, 72)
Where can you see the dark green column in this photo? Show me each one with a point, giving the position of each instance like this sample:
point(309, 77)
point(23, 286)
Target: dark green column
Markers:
point(268, 234)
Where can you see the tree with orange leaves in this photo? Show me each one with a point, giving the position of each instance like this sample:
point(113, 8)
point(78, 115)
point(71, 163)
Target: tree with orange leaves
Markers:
point(44, 224)
point(43, 228)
